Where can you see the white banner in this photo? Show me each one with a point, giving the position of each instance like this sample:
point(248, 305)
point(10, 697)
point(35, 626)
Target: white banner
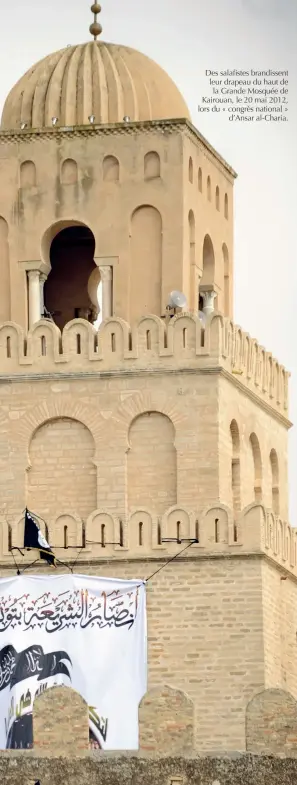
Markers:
point(83, 632)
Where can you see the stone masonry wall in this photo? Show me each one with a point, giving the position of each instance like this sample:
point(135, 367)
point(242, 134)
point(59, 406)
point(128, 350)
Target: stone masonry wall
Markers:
point(205, 639)
point(20, 769)
point(280, 629)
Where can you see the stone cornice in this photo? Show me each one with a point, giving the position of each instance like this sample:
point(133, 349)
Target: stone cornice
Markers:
point(28, 135)
point(255, 398)
point(137, 372)
point(92, 562)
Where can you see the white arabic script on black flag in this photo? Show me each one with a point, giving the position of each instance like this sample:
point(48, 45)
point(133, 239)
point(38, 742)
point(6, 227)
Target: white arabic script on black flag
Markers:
point(86, 633)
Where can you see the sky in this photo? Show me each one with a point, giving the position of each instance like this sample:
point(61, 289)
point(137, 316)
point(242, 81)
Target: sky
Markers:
point(186, 39)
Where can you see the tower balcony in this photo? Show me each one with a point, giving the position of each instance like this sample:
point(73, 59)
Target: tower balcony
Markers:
point(153, 346)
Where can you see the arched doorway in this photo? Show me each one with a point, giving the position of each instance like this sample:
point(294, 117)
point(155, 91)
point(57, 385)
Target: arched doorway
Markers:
point(67, 291)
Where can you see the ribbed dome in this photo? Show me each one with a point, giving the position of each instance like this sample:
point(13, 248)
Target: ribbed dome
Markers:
point(104, 80)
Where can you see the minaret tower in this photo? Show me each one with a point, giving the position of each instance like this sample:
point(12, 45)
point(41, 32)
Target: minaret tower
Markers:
point(124, 424)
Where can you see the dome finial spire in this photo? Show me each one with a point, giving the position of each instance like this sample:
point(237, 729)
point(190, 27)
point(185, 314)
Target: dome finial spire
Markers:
point(95, 27)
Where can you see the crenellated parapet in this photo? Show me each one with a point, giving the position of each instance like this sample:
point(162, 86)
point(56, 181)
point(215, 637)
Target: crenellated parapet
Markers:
point(144, 536)
point(153, 344)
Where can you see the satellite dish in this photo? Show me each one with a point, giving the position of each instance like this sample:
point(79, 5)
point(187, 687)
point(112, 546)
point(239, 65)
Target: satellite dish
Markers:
point(177, 300)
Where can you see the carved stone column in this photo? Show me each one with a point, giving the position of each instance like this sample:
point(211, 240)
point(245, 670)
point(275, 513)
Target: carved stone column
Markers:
point(34, 296)
point(208, 302)
point(106, 278)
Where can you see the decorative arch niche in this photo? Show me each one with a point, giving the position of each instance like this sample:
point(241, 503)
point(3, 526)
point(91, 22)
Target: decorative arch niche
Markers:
point(152, 166)
point(62, 474)
point(208, 263)
point(151, 463)
point(257, 466)
point(145, 262)
point(192, 237)
point(274, 470)
point(217, 198)
point(226, 263)
point(69, 172)
point(235, 466)
point(4, 272)
point(111, 169)
point(191, 170)
point(27, 174)
point(226, 207)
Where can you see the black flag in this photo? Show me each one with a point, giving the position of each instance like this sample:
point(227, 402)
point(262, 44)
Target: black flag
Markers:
point(33, 538)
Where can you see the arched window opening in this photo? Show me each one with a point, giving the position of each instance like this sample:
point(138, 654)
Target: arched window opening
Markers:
point(148, 340)
point(8, 346)
point(9, 537)
point(43, 345)
point(111, 169)
point(257, 465)
point(113, 342)
point(274, 469)
point(185, 338)
point(152, 166)
point(178, 532)
point(66, 294)
point(140, 533)
point(83, 536)
point(65, 536)
point(200, 179)
point(217, 198)
point(217, 534)
point(226, 207)
point(103, 535)
point(235, 532)
point(197, 530)
point(226, 280)
point(159, 534)
point(121, 531)
point(208, 188)
point(235, 466)
point(78, 343)
point(191, 170)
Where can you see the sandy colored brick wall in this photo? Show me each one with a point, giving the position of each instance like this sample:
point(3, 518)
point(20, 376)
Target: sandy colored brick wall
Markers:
point(62, 474)
point(280, 628)
point(120, 448)
point(60, 723)
point(205, 638)
point(271, 724)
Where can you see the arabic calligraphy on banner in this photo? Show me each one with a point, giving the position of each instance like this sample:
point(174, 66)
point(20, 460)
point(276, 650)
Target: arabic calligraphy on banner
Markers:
point(83, 632)
point(69, 608)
